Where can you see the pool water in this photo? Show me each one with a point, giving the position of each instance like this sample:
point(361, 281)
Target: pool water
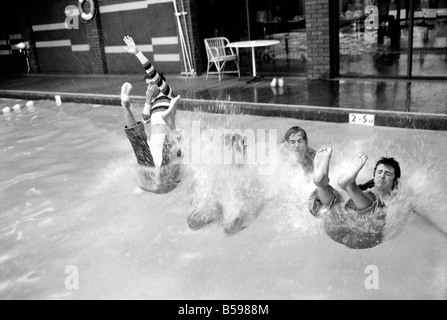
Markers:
point(74, 224)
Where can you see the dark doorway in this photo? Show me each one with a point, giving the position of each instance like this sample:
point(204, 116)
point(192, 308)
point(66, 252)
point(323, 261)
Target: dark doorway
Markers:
point(240, 20)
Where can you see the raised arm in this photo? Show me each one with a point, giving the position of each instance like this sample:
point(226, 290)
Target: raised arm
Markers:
point(153, 75)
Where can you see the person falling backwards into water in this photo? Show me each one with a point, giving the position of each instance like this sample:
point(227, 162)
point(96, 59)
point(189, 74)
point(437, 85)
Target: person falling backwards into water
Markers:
point(360, 223)
point(160, 159)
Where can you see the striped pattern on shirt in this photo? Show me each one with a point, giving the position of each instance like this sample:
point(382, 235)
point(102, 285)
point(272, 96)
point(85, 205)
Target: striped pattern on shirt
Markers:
point(155, 76)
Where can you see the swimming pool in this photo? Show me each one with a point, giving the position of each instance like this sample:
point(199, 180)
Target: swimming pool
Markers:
point(69, 201)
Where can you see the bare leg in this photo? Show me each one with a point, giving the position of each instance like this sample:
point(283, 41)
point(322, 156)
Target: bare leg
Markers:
point(321, 175)
point(347, 183)
point(125, 103)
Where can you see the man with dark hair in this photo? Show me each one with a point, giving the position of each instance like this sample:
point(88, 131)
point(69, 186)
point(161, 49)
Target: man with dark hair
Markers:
point(360, 222)
point(296, 142)
point(391, 162)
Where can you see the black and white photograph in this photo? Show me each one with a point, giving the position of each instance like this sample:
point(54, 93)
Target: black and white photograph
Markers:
point(223, 155)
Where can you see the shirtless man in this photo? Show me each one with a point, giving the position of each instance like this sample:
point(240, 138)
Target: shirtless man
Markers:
point(297, 147)
point(360, 222)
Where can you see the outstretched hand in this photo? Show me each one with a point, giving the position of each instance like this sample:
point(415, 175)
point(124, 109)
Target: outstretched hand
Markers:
point(131, 46)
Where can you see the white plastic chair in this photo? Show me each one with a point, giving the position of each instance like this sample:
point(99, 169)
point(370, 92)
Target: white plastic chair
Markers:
point(219, 54)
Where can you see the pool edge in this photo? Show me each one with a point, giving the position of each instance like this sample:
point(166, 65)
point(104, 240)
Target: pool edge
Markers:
point(310, 113)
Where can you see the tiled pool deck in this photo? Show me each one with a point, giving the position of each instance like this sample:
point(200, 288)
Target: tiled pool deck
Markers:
point(394, 103)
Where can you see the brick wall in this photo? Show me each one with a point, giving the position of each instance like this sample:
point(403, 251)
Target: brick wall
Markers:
point(193, 33)
point(58, 49)
point(15, 27)
point(320, 36)
point(95, 46)
point(153, 26)
point(27, 35)
point(96, 43)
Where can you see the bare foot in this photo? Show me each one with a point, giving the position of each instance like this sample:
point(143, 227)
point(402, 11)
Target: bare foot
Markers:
point(125, 93)
point(321, 167)
point(356, 165)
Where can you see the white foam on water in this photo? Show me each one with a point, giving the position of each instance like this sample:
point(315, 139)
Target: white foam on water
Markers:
point(189, 256)
point(22, 154)
point(33, 191)
point(439, 280)
point(139, 191)
point(6, 285)
point(4, 258)
point(27, 278)
point(13, 229)
point(60, 295)
point(46, 222)
point(31, 217)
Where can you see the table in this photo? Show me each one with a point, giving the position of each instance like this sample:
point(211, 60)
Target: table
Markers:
point(253, 44)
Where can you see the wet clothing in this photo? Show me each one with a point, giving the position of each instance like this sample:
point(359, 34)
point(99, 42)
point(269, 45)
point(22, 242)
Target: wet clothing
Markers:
point(345, 224)
point(170, 166)
point(160, 170)
point(162, 101)
point(160, 104)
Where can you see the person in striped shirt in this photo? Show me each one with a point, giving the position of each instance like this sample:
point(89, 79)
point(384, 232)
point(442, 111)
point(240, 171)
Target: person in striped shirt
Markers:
point(159, 92)
point(159, 157)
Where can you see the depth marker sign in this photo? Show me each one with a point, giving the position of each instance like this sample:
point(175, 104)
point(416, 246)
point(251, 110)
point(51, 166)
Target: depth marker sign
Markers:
point(362, 119)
